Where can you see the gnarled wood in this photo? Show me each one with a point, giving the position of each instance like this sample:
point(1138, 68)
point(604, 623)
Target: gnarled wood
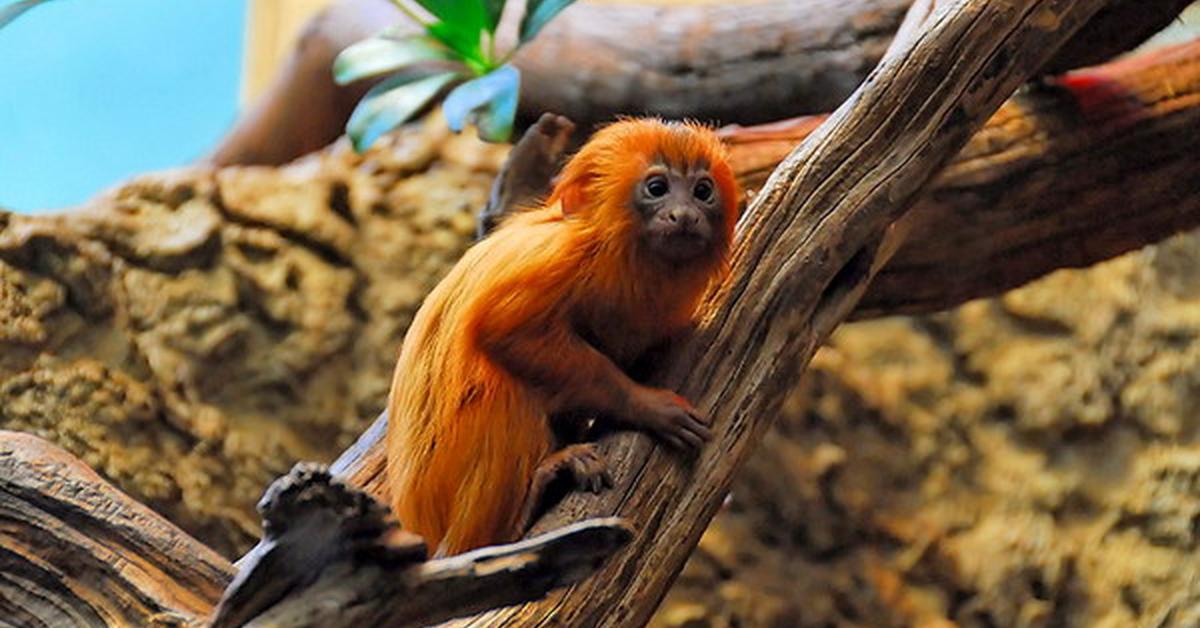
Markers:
point(805, 253)
point(1066, 174)
point(75, 551)
point(332, 556)
point(745, 62)
point(751, 62)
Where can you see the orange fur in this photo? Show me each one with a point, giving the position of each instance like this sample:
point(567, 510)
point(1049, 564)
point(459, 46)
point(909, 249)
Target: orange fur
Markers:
point(466, 433)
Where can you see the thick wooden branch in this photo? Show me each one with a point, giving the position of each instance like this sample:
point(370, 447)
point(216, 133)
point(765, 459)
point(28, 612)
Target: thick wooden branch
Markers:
point(332, 556)
point(744, 62)
point(75, 551)
point(806, 249)
point(752, 62)
point(1066, 174)
point(1060, 177)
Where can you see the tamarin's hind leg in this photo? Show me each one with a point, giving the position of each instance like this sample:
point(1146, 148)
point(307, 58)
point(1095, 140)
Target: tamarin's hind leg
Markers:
point(587, 468)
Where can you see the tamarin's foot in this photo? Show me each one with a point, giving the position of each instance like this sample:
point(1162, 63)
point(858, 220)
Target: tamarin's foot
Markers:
point(587, 467)
point(585, 464)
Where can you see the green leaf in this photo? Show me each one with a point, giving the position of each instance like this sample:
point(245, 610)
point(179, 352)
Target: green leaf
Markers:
point(537, 14)
point(489, 102)
point(392, 103)
point(14, 10)
point(460, 25)
point(467, 44)
point(494, 10)
point(382, 54)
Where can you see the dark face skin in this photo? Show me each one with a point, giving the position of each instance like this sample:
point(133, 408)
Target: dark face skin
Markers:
point(680, 211)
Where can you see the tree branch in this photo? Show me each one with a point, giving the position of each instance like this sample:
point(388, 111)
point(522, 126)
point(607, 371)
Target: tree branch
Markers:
point(332, 556)
point(752, 62)
point(1066, 174)
point(743, 62)
point(77, 552)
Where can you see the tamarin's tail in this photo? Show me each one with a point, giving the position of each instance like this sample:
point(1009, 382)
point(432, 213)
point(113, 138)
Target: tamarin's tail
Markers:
point(471, 489)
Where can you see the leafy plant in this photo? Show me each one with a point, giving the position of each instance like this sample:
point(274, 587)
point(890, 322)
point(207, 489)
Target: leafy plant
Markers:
point(457, 49)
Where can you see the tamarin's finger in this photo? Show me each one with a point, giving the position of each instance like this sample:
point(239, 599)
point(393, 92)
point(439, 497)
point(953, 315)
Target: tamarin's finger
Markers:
point(702, 431)
point(692, 439)
point(673, 441)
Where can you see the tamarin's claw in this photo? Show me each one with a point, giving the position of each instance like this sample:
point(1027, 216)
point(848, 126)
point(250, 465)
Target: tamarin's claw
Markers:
point(588, 467)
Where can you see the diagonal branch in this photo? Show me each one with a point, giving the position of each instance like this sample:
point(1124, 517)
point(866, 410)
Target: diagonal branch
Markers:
point(1066, 174)
point(806, 249)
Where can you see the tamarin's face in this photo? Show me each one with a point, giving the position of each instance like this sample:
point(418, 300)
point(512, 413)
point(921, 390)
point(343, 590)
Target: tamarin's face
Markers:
point(681, 210)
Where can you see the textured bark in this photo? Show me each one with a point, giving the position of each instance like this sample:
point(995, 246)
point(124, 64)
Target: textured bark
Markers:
point(744, 62)
point(77, 552)
point(332, 556)
point(752, 62)
point(1067, 173)
point(1062, 176)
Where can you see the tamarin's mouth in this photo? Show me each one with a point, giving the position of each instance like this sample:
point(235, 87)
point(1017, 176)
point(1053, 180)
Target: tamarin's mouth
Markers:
point(681, 244)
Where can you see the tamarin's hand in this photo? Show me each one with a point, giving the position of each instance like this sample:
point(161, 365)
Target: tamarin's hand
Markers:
point(538, 322)
point(669, 416)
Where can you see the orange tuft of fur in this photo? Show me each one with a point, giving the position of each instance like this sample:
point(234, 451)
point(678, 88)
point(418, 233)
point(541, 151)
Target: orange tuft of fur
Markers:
point(467, 430)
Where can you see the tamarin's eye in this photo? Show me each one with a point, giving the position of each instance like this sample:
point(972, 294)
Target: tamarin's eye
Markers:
point(657, 186)
point(703, 190)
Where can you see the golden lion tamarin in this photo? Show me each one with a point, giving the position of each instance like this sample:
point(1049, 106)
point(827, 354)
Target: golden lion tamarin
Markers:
point(536, 322)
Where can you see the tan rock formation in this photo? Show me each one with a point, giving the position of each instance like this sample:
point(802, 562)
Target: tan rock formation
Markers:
point(191, 335)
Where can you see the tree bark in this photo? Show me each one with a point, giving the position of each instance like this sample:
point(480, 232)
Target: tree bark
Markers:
point(745, 62)
point(332, 556)
point(806, 251)
point(751, 62)
point(1068, 173)
point(77, 552)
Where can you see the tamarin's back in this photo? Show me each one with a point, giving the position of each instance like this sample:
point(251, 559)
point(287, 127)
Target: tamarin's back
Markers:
point(529, 323)
point(445, 449)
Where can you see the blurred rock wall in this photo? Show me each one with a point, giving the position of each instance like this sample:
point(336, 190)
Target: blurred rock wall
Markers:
point(191, 335)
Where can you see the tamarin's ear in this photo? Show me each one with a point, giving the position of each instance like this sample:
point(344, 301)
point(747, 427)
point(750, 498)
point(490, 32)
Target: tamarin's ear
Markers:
point(574, 196)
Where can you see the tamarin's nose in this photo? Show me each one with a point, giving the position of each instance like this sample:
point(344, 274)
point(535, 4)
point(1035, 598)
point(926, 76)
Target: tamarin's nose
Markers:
point(682, 217)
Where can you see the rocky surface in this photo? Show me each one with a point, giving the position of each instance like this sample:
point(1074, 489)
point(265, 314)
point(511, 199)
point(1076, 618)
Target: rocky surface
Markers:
point(1023, 461)
point(191, 335)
